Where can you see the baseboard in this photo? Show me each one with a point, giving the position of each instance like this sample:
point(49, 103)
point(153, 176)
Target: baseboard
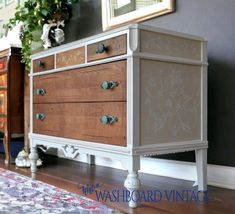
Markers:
point(220, 176)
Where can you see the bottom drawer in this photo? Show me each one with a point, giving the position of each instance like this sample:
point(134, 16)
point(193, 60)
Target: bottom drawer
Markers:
point(83, 121)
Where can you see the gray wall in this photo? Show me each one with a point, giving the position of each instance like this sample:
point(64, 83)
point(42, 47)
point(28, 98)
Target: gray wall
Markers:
point(215, 21)
point(86, 20)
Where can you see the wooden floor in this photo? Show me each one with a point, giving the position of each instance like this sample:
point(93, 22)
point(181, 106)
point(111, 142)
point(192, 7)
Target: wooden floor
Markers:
point(71, 175)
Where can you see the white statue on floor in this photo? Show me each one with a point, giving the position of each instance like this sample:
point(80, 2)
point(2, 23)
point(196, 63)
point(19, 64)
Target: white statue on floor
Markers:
point(23, 160)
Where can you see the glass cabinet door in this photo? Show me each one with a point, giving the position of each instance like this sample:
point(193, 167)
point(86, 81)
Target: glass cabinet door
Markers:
point(3, 100)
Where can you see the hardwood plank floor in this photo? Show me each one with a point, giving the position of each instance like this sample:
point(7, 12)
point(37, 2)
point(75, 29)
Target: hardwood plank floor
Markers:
point(72, 176)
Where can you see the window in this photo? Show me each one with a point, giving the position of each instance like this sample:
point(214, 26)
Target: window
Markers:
point(9, 1)
point(2, 3)
point(7, 10)
point(119, 12)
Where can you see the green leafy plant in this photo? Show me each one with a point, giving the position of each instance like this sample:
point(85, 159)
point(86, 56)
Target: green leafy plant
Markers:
point(33, 14)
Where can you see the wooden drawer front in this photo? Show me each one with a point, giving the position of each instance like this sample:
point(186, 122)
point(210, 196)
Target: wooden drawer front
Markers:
point(44, 64)
point(113, 47)
point(82, 85)
point(82, 121)
point(3, 63)
point(71, 57)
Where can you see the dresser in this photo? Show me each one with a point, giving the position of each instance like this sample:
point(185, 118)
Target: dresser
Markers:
point(132, 91)
point(11, 97)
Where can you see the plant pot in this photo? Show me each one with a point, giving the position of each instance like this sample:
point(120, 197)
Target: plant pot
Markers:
point(37, 42)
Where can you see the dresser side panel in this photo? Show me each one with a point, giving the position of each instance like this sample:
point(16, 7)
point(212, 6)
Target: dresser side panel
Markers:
point(170, 45)
point(170, 102)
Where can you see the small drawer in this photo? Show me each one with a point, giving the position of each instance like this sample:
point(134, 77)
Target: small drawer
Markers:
point(107, 48)
point(43, 64)
point(72, 57)
point(106, 82)
point(96, 122)
point(3, 63)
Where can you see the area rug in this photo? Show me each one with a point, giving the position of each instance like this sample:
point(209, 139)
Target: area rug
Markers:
point(22, 195)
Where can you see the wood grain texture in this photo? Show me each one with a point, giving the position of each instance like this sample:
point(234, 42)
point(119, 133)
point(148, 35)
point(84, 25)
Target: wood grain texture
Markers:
point(16, 104)
point(4, 53)
point(83, 85)
point(3, 63)
point(14, 108)
point(26, 111)
point(48, 64)
point(115, 47)
point(72, 57)
point(82, 121)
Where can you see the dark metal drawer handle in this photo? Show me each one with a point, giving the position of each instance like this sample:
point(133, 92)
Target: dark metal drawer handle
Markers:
point(40, 91)
point(109, 84)
point(40, 116)
point(101, 48)
point(40, 64)
point(108, 119)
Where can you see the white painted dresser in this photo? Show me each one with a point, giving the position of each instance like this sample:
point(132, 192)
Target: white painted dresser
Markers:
point(133, 91)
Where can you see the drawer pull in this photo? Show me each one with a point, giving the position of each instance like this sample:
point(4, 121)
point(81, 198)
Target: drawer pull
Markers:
point(40, 116)
point(40, 91)
point(41, 64)
point(108, 119)
point(109, 85)
point(101, 48)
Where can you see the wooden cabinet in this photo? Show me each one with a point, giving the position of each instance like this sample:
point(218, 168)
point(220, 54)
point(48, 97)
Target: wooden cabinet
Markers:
point(11, 96)
point(129, 92)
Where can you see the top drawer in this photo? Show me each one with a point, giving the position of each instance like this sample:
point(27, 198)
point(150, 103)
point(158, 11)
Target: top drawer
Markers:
point(43, 64)
point(71, 57)
point(108, 48)
point(3, 63)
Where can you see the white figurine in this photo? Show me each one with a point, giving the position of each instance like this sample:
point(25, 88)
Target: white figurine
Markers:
point(23, 160)
point(59, 33)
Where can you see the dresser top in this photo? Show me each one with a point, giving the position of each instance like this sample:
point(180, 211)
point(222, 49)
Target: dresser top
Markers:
point(115, 31)
point(10, 51)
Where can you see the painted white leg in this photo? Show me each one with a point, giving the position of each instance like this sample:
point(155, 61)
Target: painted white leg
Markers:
point(201, 163)
point(33, 156)
point(90, 159)
point(132, 183)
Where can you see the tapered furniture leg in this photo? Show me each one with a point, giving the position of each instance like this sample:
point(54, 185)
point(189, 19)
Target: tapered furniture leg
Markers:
point(6, 149)
point(91, 159)
point(201, 163)
point(33, 156)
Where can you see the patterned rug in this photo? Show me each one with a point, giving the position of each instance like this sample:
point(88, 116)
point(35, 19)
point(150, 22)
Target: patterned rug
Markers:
point(21, 195)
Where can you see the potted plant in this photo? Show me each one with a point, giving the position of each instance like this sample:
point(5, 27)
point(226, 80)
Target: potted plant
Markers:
point(33, 15)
